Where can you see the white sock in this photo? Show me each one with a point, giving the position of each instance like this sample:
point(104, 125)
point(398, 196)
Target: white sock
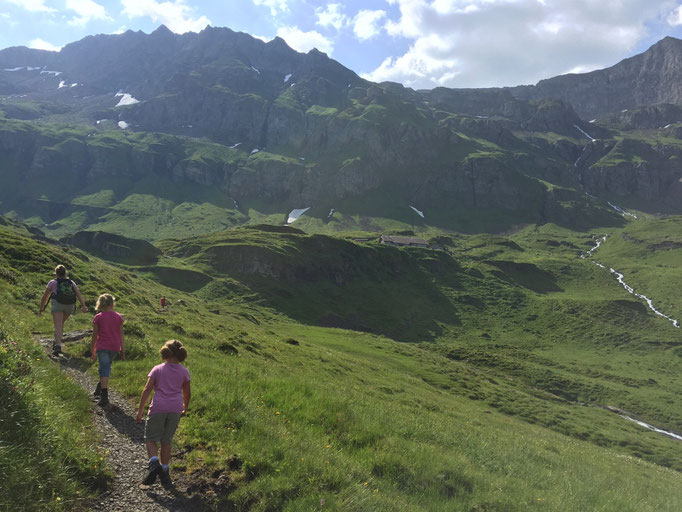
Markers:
point(165, 467)
point(153, 458)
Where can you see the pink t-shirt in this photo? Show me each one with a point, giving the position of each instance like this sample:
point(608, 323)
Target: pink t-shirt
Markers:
point(109, 333)
point(168, 381)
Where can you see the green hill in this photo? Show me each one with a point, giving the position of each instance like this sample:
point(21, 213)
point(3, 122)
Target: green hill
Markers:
point(369, 376)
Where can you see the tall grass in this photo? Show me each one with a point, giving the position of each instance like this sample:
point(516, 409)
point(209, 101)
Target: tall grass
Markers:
point(45, 463)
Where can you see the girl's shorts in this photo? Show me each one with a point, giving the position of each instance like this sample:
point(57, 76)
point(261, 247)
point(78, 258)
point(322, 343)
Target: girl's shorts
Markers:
point(105, 358)
point(161, 427)
point(58, 307)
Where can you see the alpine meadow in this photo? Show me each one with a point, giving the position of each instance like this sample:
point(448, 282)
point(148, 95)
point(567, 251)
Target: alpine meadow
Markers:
point(391, 299)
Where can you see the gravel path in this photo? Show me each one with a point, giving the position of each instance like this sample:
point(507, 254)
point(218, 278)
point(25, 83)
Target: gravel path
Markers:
point(122, 439)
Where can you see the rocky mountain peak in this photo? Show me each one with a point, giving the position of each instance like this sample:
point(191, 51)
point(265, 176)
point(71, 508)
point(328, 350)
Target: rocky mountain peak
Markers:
point(649, 78)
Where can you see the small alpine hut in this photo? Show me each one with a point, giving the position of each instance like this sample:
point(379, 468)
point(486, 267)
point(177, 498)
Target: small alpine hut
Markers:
point(404, 241)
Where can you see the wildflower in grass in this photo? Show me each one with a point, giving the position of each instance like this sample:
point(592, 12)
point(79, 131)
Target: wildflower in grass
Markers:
point(329, 446)
point(365, 484)
point(277, 413)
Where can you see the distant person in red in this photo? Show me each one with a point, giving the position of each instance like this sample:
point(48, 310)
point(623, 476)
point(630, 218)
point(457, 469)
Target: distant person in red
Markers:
point(163, 302)
point(107, 343)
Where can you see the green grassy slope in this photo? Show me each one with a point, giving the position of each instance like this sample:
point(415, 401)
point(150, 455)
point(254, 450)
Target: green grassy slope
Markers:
point(516, 340)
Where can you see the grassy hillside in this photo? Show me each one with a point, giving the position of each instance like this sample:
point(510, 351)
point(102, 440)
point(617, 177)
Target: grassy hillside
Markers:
point(495, 403)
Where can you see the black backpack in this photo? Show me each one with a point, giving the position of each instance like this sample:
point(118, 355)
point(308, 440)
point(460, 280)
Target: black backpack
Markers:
point(65, 292)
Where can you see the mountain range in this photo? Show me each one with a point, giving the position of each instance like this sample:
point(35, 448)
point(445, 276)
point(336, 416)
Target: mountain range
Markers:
point(227, 127)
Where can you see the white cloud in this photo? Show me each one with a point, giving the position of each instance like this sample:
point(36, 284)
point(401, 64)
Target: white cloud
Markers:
point(33, 5)
point(39, 44)
point(675, 17)
point(305, 41)
point(481, 43)
point(276, 6)
point(366, 24)
point(176, 15)
point(86, 10)
point(331, 16)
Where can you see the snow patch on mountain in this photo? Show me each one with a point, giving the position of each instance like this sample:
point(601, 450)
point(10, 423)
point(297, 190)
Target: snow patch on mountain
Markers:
point(296, 213)
point(584, 132)
point(126, 99)
point(420, 213)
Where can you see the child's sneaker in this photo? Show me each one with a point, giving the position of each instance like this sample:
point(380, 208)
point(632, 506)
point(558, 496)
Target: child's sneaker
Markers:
point(154, 471)
point(103, 398)
point(56, 350)
point(164, 476)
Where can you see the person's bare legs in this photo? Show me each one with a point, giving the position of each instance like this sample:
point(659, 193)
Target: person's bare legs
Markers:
point(152, 449)
point(165, 453)
point(58, 320)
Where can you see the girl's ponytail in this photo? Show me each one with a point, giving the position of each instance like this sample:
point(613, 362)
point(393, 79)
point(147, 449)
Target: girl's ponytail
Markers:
point(105, 300)
point(173, 348)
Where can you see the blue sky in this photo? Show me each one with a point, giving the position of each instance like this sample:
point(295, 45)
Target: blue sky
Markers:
point(420, 43)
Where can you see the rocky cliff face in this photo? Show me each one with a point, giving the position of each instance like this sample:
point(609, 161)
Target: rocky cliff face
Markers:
point(652, 77)
point(261, 122)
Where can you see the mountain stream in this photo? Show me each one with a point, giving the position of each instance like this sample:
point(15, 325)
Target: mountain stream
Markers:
point(620, 278)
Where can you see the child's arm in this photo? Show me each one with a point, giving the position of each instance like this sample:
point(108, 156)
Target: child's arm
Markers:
point(146, 392)
point(186, 395)
point(95, 330)
point(123, 346)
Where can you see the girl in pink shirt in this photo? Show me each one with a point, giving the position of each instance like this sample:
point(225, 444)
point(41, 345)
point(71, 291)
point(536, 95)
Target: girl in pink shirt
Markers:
point(107, 343)
point(169, 382)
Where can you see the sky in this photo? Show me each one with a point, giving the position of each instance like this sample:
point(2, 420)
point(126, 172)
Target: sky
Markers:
point(420, 43)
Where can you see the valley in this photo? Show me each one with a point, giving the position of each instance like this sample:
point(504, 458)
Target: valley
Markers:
point(313, 375)
point(528, 357)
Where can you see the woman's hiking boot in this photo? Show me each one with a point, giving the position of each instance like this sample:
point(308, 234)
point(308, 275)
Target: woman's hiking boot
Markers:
point(164, 476)
point(104, 397)
point(154, 471)
point(98, 391)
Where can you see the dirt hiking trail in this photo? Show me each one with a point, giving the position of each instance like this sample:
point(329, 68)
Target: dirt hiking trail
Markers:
point(122, 440)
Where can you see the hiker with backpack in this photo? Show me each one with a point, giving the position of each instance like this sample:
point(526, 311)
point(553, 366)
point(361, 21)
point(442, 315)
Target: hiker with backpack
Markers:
point(107, 343)
point(63, 292)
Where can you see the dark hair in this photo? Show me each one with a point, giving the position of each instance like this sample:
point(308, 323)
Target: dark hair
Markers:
point(173, 348)
point(60, 270)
